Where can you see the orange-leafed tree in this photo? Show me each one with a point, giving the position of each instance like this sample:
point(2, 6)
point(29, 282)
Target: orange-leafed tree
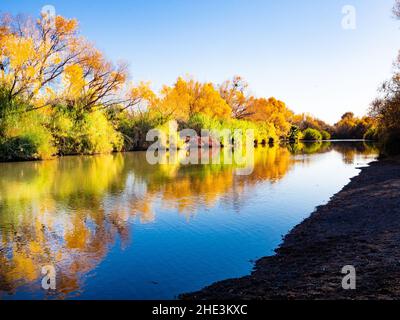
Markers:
point(352, 127)
point(271, 111)
point(189, 97)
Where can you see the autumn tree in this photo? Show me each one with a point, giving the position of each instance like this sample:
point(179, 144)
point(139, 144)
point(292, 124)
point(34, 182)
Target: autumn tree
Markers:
point(43, 62)
point(189, 97)
point(35, 54)
point(95, 82)
point(235, 93)
point(305, 121)
point(272, 111)
point(54, 89)
point(352, 127)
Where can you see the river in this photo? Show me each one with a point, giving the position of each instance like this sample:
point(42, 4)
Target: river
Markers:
point(116, 227)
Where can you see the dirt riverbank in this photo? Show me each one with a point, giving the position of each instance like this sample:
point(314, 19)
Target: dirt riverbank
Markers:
point(360, 226)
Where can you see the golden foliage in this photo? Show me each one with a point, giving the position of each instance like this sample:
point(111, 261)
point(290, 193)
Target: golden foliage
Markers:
point(65, 26)
point(74, 80)
point(35, 56)
point(188, 97)
point(271, 111)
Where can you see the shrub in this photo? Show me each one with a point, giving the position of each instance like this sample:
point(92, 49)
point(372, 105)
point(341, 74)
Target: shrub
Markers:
point(325, 135)
point(312, 135)
point(170, 135)
point(200, 121)
point(99, 135)
point(263, 132)
point(25, 137)
point(266, 133)
point(24, 148)
point(135, 128)
point(88, 133)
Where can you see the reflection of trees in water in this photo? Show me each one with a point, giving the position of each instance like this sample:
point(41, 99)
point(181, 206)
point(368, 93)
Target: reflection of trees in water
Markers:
point(193, 186)
point(68, 212)
point(309, 147)
point(51, 214)
point(349, 150)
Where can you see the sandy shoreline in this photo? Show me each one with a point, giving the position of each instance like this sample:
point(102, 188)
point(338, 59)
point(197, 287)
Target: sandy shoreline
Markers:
point(360, 226)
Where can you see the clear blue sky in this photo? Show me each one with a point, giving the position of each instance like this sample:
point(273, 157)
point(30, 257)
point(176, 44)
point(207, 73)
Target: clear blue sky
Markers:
point(295, 50)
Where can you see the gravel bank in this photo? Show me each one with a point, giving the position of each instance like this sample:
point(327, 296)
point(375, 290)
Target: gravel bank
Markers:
point(360, 226)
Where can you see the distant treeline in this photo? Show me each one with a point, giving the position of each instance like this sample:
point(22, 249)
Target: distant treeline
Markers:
point(60, 96)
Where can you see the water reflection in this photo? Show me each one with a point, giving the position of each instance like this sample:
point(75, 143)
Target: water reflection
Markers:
point(69, 213)
point(349, 151)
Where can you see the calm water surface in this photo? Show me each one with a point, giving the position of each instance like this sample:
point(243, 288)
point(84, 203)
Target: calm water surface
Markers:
point(115, 227)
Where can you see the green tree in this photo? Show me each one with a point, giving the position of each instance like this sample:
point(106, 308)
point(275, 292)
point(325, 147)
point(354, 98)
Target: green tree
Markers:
point(312, 135)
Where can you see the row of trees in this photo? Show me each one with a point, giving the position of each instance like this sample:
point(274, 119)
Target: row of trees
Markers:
point(59, 95)
point(307, 127)
point(54, 90)
point(386, 108)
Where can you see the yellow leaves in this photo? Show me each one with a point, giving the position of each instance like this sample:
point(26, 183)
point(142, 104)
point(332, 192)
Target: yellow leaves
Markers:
point(24, 267)
point(118, 77)
point(4, 32)
point(57, 59)
point(36, 84)
point(145, 91)
point(30, 72)
point(189, 97)
point(33, 56)
point(142, 93)
point(93, 59)
point(75, 44)
point(211, 103)
point(19, 50)
point(74, 79)
point(77, 237)
point(65, 26)
point(73, 71)
point(35, 248)
point(272, 111)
